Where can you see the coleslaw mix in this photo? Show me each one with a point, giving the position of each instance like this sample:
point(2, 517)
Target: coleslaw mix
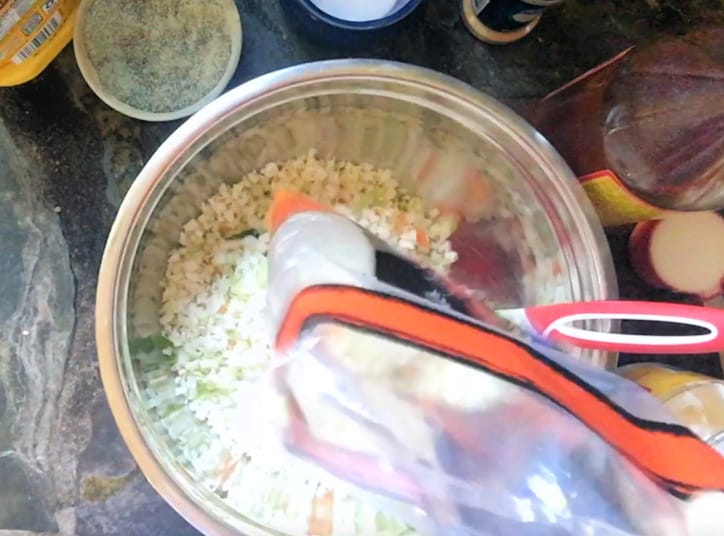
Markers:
point(32, 34)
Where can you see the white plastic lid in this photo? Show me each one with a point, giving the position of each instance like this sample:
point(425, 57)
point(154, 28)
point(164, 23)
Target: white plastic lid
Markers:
point(355, 11)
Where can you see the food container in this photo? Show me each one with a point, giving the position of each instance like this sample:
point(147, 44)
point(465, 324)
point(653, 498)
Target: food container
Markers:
point(387, 114)
point(344, 23)
point(164, 67)
point(696, 400)
point(499, 22)
point(32, 34)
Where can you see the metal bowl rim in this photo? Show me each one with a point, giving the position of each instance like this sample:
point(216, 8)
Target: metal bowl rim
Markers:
point(118, 255)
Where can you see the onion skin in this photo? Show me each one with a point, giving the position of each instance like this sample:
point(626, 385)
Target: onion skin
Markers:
point(644, 263)
point(639, 249)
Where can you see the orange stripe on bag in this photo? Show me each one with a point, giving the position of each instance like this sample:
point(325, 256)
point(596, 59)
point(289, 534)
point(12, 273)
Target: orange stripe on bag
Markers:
point(286, 204)
point(668, 453)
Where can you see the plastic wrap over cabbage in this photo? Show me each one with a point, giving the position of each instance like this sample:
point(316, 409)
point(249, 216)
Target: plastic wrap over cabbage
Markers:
point(394, 382)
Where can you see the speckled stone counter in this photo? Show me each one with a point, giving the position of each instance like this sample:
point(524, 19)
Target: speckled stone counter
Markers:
point(65, 162)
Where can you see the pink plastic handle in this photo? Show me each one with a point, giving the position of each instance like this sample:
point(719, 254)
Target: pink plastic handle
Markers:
point(556, 322)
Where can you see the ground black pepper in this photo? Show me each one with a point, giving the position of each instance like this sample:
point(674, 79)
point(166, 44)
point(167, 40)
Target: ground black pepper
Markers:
point(159, 55)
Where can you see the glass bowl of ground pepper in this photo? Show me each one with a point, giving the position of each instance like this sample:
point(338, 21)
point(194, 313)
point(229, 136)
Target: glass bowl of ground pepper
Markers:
point(157, 60)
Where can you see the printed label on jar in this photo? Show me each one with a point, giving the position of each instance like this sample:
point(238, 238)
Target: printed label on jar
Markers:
point(25, 26)
point(45, 33)
point(32, 33)
point(32, 23)
point(11, 13)
point(614, 202)
point(479, 5)
point(509, 15)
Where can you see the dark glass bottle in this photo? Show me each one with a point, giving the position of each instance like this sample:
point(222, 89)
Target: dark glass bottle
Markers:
point(648, 127)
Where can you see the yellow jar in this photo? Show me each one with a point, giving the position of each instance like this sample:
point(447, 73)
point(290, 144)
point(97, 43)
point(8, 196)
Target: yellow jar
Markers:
point(32, 33)
point(696, 400)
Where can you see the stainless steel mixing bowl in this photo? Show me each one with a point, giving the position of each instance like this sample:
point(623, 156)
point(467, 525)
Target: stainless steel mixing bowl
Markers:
point(388, 114)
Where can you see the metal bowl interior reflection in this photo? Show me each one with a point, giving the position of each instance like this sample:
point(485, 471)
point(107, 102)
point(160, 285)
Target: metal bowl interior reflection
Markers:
point(390, 115)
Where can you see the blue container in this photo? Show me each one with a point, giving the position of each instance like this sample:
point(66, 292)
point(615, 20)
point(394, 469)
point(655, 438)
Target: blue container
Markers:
point(326, 29)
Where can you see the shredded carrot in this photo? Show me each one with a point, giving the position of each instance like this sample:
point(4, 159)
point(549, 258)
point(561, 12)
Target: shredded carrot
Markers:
point(227, 469)
point(479, 188)
point(400, 222)
point(478, 195)
point(321, 519)
point(423, 240)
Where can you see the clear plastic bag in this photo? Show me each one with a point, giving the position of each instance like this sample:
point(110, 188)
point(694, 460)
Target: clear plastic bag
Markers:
point(442, 413)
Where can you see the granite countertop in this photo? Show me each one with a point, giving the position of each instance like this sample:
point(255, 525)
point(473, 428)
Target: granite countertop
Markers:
point(66, 160)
